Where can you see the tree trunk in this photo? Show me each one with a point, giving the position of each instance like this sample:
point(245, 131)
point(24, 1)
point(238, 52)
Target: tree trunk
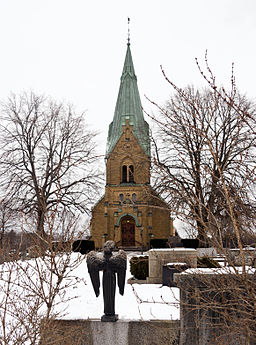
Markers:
point(40, 221)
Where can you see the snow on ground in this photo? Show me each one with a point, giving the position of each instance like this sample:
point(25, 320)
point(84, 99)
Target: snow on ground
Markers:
point(140, 301)
point(78, 300)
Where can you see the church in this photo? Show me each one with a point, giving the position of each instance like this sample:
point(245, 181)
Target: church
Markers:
point(130, 213)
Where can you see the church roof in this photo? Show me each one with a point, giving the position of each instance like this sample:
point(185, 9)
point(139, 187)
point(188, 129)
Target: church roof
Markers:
point(128, 107)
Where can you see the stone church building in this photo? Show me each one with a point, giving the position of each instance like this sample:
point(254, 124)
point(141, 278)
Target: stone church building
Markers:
point(130, 213)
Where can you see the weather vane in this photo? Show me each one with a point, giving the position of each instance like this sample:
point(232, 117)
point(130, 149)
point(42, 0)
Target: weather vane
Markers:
point(128, 30)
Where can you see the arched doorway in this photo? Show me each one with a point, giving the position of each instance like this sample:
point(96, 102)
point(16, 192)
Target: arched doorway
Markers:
point(128, 231)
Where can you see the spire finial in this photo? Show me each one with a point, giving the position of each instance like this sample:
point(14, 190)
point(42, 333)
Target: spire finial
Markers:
point(128, 31)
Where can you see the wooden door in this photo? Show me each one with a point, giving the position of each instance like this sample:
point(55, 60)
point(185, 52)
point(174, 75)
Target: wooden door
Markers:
point(128, 232)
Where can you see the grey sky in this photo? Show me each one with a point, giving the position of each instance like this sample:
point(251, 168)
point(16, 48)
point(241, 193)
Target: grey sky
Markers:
point(74, 50)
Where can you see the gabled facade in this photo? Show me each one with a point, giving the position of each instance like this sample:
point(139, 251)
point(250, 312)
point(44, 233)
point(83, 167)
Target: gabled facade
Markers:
point(129, 213)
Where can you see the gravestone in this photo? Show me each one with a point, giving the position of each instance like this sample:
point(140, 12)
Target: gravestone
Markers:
point(160, 257)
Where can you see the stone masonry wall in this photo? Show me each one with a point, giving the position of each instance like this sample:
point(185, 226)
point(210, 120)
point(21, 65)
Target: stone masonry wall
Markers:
point(122, 332)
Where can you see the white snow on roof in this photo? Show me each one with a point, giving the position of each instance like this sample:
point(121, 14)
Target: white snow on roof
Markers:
point(178, 249)
point(222, 270)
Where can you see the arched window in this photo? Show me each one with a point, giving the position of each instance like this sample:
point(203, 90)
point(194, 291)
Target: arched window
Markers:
point(121, 197)
point(134, 197)
point(124, 174)
point(131, 174)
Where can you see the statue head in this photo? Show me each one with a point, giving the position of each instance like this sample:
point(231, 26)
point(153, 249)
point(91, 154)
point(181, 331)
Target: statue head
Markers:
point(108, 248)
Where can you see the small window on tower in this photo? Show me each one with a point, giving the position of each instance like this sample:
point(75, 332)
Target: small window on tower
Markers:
point(131, 174)
point(134, 197)
point(124, 174)
point(127, 134)
point(121, 197)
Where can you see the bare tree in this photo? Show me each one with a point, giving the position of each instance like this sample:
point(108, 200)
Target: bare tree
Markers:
point(32, 290)
point(206, 158)
point(47, 157)
point(205, 166)
point(7, 219)
point(218, 306)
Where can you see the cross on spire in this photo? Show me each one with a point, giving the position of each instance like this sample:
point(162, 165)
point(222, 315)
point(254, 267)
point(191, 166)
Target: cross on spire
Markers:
point(128, 31)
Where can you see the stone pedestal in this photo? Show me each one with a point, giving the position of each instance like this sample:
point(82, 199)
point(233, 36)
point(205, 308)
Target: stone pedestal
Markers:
point(160, 257)
point(216, 307)
point(121, 332)
point(109, 318)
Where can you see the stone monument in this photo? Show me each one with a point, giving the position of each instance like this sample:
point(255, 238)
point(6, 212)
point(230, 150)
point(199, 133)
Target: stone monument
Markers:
point(110, 265)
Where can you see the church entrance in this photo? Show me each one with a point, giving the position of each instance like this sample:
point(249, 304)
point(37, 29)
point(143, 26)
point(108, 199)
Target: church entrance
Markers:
point(128, 232)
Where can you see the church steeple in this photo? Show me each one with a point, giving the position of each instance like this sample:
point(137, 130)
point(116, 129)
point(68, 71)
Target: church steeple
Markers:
point(130, 213)
point(128, 107)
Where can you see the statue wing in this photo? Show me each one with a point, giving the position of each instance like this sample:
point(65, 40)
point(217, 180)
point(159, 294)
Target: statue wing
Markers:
point(119, 262)
point(94, 265)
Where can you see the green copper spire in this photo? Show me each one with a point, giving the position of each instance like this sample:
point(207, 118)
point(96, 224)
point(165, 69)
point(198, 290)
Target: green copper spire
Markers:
point(128, 107)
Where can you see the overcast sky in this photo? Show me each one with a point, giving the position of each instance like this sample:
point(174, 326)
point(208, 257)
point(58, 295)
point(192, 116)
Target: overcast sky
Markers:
point(73, 50)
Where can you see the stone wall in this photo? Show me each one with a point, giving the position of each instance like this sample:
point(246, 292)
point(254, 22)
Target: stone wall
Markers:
point(122, 332)
point(215, 308)
point(249, 256)
point(210, 252)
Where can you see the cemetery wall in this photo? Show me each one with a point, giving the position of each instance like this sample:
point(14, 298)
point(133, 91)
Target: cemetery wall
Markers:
point(122, 332)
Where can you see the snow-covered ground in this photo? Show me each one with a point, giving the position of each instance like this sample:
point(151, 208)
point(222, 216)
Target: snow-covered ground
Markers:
point(26, 286)
point(140, 301)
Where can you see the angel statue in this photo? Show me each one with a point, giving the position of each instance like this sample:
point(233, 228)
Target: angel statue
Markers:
point(110, 265)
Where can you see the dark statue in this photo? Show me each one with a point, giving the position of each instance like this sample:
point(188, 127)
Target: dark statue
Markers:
point(110, 265)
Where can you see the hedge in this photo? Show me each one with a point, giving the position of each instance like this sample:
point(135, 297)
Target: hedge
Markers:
point(139, 267)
